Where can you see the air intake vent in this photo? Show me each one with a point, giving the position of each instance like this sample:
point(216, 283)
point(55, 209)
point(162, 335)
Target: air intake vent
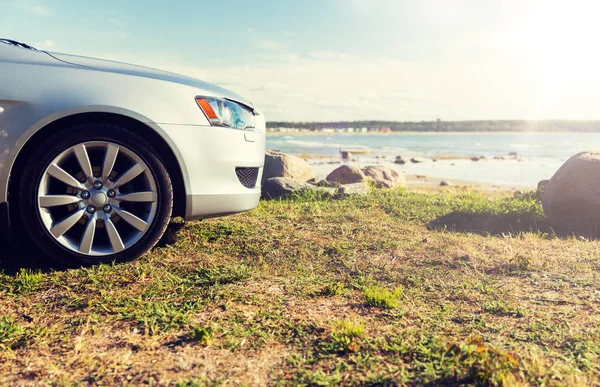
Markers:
point(247, 176)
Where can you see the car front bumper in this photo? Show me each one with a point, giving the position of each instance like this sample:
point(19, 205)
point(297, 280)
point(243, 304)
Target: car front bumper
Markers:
point(208, 157)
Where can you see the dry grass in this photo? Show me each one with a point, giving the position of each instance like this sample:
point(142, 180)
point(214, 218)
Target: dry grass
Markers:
point(280, 296)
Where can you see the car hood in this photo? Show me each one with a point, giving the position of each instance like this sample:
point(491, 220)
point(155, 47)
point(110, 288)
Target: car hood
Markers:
point(147, 72)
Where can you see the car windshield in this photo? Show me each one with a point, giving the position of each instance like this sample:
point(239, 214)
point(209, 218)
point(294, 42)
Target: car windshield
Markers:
point(16, 44)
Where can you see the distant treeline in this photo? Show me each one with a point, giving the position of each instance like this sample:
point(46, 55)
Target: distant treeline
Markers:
point(452, 126)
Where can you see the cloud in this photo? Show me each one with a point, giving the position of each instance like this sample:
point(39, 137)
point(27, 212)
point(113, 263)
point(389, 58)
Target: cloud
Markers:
point(40, 10)
point(250, 30)
point(48, 44)
point(270, 45)
point(288, 33)
point(333, 56)
point(327, 86)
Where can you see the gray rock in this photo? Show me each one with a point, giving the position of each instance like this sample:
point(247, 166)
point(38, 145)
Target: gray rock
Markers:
point(346, 190)
point(417, 160)
point(328, 184)
point(384, 177)
point(346, 174)
point(571, 199)
point(399, 160)
point(475, 158)
point(445, 183)
point(541, 187)
point(280, 187)
point(279, 164)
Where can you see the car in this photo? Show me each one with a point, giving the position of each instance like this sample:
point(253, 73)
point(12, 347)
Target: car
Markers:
point(97, 156)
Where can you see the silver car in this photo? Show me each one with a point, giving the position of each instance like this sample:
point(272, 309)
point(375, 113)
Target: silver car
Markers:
point(97, 156)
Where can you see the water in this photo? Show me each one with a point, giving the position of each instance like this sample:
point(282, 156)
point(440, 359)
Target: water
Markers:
point(540, 154)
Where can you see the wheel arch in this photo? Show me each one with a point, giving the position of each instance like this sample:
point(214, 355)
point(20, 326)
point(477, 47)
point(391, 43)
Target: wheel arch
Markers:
point(147, 131)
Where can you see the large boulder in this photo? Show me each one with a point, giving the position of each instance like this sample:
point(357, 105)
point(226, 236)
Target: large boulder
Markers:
point(571, 199)
point(384, 177)
point(279, 187)
point(279, 164)
point(346, 174)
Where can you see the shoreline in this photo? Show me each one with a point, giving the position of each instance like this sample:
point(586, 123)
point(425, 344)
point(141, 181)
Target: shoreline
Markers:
point(501, 161)
point(430, 173)
point(430, 176)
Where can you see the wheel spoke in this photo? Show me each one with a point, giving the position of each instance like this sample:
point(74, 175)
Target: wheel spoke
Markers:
point(62, 175)
point(84, 161)
point(66, 224)
point(110, 156)
point(133, 220)
point(87, 240)
point(113, 235)
point(142, 197)
point(58, 200)
point(131, 174)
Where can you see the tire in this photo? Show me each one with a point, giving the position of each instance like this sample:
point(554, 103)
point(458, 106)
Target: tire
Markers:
point(129, 214)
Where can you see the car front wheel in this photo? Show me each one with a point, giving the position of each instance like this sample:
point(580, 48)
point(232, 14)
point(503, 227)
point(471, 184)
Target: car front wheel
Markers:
point(95, 193)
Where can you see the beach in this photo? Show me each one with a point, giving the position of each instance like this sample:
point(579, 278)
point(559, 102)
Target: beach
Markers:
point(508, 160)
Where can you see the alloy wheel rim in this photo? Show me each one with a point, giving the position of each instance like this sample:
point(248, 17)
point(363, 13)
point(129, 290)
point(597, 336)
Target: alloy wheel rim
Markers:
point(97, 198)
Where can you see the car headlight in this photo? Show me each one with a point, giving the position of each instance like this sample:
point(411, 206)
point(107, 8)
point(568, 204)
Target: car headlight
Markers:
point(223, 112)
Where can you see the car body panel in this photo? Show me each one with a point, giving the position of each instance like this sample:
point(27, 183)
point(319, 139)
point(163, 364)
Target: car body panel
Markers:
point(38, 88)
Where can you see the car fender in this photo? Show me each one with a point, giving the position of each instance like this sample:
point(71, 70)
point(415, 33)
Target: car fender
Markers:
point(44, 122)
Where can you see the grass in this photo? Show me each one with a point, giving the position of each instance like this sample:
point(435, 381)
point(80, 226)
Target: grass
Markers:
point(383, 298)
point(392, 288)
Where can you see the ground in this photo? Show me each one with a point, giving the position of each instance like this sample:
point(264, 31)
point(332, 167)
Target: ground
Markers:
point(394, 288)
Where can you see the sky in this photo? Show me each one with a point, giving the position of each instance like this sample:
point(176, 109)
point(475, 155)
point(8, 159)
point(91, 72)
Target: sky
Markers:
point(334, 60)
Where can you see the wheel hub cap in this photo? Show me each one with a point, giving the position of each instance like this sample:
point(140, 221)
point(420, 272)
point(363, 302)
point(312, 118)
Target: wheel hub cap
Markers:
point(99, 199)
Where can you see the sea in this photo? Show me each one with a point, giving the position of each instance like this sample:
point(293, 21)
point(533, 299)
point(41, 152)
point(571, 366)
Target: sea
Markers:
point(527, 157)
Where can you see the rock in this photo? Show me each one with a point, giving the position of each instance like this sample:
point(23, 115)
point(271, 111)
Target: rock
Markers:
point(400, 160)
point(346, 155)
point(384, 177)
point(417, 160)
point(513, 154)
point(541, 187)
point(474, 158)
point(571, 199)
point(445, 183)
point(346, 174)
point(328, 184)
point(346, 190)
point(280, 187)
point(279, 164)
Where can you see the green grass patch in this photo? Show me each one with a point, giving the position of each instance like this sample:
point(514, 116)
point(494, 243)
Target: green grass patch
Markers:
point(381, 297)
point(23, 282)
